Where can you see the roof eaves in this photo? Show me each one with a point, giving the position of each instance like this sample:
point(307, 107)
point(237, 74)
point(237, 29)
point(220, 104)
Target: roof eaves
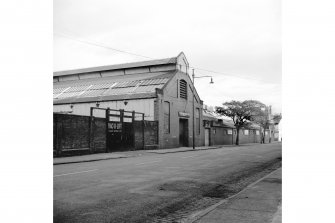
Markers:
point(105, 98)
point(171, 60)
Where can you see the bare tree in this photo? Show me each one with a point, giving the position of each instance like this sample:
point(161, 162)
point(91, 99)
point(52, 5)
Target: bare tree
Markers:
point(241, 113)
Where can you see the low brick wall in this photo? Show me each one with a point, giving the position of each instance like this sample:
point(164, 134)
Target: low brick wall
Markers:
point(150, 129)
point(72, 135)
point(98, 141)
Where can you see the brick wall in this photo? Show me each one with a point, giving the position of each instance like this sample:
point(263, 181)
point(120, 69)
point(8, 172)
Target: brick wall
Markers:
point(72, 131)
point(251, 138)
point(138, 134)
point(71, 134)
point(221, 137)
point(150, 129)
point(150, 135)
point(98, 135)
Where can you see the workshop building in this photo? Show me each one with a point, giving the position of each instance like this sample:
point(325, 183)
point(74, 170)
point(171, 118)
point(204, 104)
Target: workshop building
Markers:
point(158, 91)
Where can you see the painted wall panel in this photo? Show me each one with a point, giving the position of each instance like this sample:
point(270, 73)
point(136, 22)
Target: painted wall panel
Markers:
point(137, 70)
point(110, 73)
point(145, 106)
point(68, 78)
point(163, 68)
point(89, 75)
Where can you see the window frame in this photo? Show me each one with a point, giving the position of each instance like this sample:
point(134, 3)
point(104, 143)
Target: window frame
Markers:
point(183, 90)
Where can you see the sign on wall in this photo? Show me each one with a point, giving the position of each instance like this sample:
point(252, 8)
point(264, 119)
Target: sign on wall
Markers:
point(115, 127)
point(184, 114)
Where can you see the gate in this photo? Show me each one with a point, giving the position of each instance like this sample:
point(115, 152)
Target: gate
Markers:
point(120, 132)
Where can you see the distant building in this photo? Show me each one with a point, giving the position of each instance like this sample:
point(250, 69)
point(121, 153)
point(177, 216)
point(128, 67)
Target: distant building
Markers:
point(220, 130)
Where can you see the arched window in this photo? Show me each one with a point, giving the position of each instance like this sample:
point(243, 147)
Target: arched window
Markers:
point(183, 89)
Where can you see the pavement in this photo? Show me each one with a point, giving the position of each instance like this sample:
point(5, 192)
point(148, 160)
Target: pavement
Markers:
point(126, 154)
point(88, 158)
point(259, 202)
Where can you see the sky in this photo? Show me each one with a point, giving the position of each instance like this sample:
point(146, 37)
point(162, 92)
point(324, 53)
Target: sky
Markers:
point(240, 40)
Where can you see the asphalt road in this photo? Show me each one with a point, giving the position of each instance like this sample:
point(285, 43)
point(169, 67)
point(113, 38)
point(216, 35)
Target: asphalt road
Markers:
point(139, 189)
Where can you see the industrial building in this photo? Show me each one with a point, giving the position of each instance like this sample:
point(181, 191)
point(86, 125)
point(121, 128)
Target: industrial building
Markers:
point(159, 90)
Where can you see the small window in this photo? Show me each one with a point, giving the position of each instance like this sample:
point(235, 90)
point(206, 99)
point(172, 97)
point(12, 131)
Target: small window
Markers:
point(257, 132)
point(246, 132)
point(214, 131)
point(183, 89)
point(230, 131)
point(266, 132)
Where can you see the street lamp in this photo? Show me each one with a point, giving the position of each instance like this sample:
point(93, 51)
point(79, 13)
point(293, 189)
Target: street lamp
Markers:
point(211, 82)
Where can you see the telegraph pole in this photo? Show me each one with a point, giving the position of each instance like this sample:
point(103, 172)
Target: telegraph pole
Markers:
point(193, 109)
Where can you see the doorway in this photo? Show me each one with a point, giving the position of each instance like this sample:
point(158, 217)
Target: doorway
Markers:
point(206, 137)
point(183, 132)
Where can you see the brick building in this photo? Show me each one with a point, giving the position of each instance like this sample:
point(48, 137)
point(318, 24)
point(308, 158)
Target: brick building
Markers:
point(221, 131)
point(160, 89)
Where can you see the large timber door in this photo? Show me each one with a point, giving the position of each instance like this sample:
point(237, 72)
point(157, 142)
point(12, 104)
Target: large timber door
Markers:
point(120, 130)
point(183, 132)
point(114, 136)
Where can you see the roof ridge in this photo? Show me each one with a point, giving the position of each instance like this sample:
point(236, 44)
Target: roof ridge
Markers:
point(143, 63)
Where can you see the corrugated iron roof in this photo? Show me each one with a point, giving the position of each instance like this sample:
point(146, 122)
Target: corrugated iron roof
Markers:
point(228, 123)
point(88, 89)
point(119, 78)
